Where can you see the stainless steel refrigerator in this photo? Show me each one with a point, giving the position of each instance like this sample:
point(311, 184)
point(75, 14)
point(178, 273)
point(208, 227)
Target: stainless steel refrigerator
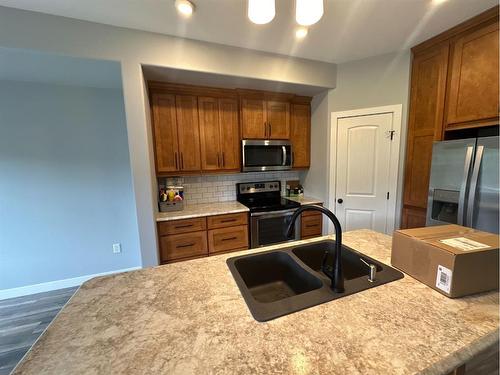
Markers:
point(464, 183)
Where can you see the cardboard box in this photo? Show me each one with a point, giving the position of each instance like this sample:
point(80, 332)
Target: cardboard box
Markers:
point(454, 260)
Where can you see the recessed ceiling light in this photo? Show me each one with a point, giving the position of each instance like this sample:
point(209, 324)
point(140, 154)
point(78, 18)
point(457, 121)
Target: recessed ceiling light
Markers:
point(301, 32)
point(437, 2)
point(308, 12)
point(261, 11)
point(184, 7)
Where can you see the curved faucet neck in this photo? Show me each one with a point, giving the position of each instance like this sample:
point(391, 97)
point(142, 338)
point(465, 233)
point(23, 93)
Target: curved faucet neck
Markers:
point(337, 276)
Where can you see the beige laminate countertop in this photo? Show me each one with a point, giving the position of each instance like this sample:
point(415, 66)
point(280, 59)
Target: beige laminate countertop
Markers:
point(190, 318)
point(203, 209)
point(305, 200)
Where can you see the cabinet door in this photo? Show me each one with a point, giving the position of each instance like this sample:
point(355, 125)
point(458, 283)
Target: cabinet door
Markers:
point(473, 90)
point(229, 134)
point(301, 135)
point(253, 119)
point(188, 132)
point(428, 84)
point(186, 245)
point(278, 120)
point(165, 133)
point(208, 110)
point(413, 218)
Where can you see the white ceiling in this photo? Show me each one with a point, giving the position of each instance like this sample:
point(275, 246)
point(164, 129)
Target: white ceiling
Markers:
point(349, 30)
point(30, 66)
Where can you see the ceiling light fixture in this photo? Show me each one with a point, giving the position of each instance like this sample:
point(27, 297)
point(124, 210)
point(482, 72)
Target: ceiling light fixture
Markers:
point(301, 32)
point(308, 12)
point(261, 11)
point(184, 7)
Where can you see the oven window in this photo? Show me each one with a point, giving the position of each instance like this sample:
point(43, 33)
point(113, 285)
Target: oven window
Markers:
point(258, 156)
point(272, 230)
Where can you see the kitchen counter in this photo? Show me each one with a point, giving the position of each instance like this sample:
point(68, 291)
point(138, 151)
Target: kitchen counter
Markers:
point(305, 200)
point(190, 318)
point(203, 209)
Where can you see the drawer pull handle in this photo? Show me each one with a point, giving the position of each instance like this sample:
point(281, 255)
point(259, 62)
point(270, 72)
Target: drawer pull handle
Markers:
point(229, 238)
point(183, 226)
point(186, 245)
point(312, 225)
point(227, 220)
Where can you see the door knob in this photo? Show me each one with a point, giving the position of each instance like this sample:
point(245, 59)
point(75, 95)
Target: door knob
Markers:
point(340, 201)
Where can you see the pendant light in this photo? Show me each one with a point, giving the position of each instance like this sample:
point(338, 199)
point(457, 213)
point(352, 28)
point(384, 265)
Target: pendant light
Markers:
point(261, 11)
point(308, 12)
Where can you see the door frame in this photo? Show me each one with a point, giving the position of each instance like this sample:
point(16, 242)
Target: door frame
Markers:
point(396, 110)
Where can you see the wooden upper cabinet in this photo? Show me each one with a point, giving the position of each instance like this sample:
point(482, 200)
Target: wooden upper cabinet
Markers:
point(253, 119)
point(208, 110)
point(300, 135)
point(265, 119)
point(188, 132)
point(165, 133)
point(428, 85)
point(278, 120)
point(473, 85)
point(229, 134)
point(219, 133)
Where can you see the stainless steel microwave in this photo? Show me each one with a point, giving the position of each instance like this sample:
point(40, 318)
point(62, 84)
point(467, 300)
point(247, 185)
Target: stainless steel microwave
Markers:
point(265, 155)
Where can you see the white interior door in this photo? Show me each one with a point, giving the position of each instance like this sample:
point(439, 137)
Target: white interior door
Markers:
point(363, 171)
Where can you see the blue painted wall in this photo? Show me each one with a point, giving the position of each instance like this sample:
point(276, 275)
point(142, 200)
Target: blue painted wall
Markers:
point(65, 183)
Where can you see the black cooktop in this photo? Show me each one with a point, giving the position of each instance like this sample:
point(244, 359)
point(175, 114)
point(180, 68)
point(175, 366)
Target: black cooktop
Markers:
point(263, 196)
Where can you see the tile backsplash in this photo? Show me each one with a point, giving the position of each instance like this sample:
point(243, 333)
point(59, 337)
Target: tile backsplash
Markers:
point(221, 188)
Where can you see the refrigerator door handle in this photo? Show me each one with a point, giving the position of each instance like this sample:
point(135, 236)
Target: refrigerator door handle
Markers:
point(463, 186)
point(473, 186)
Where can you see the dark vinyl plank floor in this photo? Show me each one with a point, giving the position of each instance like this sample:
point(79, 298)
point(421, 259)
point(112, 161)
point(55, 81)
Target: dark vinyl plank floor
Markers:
point(22, 321)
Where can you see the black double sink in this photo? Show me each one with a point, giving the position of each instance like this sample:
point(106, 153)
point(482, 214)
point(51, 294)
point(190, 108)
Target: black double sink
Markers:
point(280, 282)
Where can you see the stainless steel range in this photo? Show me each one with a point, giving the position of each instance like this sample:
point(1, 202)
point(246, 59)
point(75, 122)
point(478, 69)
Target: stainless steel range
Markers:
point(269, 212)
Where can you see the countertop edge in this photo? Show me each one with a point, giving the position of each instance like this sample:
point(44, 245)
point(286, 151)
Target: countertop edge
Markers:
point(463, 355)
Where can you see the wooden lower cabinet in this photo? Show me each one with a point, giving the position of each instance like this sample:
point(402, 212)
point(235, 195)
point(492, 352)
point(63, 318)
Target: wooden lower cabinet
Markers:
point(203, 236)
point(227, 239)
point(186, 245)
point(311, 224)
point(228, 220)
point(182, 226)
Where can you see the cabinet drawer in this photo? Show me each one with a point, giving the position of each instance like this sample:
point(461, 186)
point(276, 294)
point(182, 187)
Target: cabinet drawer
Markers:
point(227, 239)
point(178, 246)
point(312, 213)
point(182, 226)
point(229, 220)
point(311, 226)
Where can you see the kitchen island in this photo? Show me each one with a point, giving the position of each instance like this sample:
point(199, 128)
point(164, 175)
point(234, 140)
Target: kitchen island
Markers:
point(190, 318)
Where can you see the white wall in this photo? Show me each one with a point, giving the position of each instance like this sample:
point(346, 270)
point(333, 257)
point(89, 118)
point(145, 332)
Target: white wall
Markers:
point(65, 184)
point(376, 81)
point(36, 31)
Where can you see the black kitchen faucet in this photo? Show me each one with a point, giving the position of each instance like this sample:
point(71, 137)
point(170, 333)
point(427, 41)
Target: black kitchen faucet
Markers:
point(335, 271)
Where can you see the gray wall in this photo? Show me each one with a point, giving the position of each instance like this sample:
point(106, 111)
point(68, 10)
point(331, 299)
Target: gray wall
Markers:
point(372, 82)
point(53, 34)
point(65, 183)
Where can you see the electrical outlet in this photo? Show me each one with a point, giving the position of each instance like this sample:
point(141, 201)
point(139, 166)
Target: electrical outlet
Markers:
point(117, 248)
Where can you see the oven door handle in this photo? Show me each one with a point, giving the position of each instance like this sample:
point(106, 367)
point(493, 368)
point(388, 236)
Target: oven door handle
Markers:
point(269, 214)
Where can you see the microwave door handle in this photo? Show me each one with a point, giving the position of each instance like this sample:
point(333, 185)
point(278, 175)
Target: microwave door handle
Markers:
point(463, 186)
point(473, 185)
point(284, 155)
point(243, 155)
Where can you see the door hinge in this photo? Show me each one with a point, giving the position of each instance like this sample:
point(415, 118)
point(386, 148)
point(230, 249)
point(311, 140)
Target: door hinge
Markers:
point(391, 135)
point(387, 195)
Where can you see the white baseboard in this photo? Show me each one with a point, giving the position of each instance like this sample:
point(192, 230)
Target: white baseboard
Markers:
point(54, 285)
